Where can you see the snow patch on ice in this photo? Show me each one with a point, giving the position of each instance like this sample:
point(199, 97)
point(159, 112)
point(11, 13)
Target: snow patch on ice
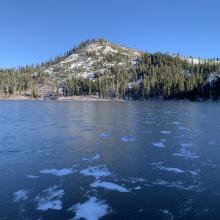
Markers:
point(50, 199)
point(96, 171)
point(186, 145)
point(96, 157)
point(157, 163)
point(183, 128)
point(176, 123)
point(163, 140)
point(186, 154)
point(167, 214)
point(93, 209)
point(104, 135)
point(137, 187)
point(20, 195)
point(32, 177)
point(159, 144)
point(170, 169)
point(58, 172)
point(165, 132)
point(177, 184)
point(109, 186)
point(128, 139)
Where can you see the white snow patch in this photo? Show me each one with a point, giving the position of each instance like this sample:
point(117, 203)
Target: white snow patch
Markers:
point(51, 199)
point(137, 187)
point(159, 144)
point(176, 123)
point(93, 209)
point(96, 157)
point(163, 140)
point(183, 128)
point(58, 172)
point(177, 184)
point(96, 171)
point(186, 145)
point(109, 49)
point(128, 139)
point(109, 186)
point(104, 135)
point(32, 177)
point(186, 154)
point(20, 195)
point(167, 214)
point(71, 58)
point(157, 163)
point(165, 132)
point(170, 169)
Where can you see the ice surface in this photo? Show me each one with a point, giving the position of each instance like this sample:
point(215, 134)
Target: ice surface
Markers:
point(20, 195)
point(109, 186)
point(50, 199)
point(93, 209)
point(96, 171)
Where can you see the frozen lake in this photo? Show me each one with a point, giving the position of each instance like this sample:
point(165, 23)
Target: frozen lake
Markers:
point(109, 160)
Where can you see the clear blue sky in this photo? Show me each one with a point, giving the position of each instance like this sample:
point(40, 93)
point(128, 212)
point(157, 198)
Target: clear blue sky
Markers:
point(32, 31)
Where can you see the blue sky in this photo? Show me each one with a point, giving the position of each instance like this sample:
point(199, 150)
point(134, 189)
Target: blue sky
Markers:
point(32, 31)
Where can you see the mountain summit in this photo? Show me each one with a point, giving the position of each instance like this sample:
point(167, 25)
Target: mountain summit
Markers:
point(92, 57)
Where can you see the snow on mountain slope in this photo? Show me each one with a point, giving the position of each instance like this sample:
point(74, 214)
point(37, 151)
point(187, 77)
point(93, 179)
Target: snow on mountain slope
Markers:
point(94, 57)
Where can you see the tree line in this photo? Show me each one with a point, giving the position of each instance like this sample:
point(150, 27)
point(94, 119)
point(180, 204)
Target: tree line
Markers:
point(155, 76)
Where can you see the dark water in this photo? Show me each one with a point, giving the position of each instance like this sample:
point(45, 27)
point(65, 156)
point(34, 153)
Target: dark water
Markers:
point(136, 160)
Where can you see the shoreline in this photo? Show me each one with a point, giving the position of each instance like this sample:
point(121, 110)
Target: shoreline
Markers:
point(61, 98)
point(91, 98)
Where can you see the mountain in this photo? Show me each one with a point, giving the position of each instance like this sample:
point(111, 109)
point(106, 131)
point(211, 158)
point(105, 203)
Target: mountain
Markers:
point(101, 68)
point(92, 57)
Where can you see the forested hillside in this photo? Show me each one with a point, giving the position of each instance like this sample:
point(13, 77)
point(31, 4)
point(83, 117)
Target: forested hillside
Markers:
point(101, 68)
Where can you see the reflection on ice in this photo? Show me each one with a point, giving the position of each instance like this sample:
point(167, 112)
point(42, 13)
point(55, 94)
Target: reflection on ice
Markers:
point(92, 209)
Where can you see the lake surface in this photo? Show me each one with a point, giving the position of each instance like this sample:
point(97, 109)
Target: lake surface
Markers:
point(109, 160)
